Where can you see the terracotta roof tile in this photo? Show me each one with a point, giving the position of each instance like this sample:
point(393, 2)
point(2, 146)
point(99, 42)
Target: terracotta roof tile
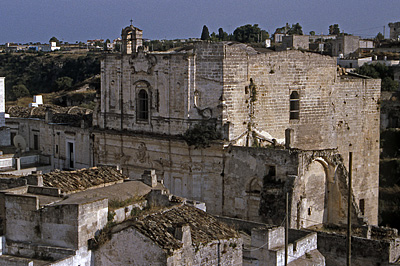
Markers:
point(160, 227)
point(72, 181)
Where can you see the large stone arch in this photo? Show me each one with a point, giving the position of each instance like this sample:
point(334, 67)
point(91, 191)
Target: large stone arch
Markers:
point(320, 195)
point(312, 209)
point(253, 188)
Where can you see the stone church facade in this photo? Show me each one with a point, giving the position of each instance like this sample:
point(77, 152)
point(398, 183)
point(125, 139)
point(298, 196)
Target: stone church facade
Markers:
point(288, 122)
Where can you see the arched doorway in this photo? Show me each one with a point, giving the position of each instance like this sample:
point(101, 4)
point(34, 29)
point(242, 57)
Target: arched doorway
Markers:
point(313, 203)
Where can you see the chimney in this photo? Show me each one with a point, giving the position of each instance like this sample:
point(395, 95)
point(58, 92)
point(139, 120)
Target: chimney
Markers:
point(182, 233)
point(48, 116)
point(289, 135)
point(150, 178)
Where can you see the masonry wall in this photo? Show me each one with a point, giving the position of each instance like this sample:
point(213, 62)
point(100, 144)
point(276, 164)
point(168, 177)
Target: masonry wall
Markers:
point(68, 226)
point(186, 171)
point(365, 252)
point(220, 252)
point(255, 181)
point(181, 87)
point(129, 247)
point(334, 111)
point(53, 141)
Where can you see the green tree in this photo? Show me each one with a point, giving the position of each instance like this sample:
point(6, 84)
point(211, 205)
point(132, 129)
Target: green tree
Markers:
point(64, 83)
point(222, 35)
point(205, 34)
point(19, 91)
point(295, 29)
point(334, 29)
point(54, 39)
point(388, 84)
point(249, 33)
point(312, 33)
point(385, 73)
point(379, 37)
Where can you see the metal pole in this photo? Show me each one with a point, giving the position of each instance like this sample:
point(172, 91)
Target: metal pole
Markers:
point(349, 212)
point(287, 229)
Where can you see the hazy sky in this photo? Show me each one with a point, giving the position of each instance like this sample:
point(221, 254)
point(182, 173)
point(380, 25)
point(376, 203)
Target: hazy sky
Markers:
point(79, 20)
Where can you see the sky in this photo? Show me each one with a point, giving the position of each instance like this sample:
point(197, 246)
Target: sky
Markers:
point(24, 21)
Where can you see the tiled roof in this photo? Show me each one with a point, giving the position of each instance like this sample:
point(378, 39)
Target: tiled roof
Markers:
point(64, 115)
point(160, 227)
point(72, 181)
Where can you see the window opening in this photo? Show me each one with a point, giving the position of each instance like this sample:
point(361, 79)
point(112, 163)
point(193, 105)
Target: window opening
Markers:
point(362, 206)
point(35, 142)
point(71, 155)
point(294, 105)
point(143, 105)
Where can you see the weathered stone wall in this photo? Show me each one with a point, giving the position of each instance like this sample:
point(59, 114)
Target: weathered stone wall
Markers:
point(129, 247)
point(68, 226)
point(180, 87)
point(255, 182)
point(220, 252)
point(365, 252)
point(187, 172)
point(53, 140)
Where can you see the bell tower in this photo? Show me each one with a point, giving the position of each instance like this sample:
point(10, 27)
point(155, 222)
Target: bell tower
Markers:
point(131, 39)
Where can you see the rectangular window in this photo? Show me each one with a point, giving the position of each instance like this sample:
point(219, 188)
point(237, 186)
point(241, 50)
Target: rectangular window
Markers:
point(56, 149)
point(294, 105)
point(71, 156)
point(36, 142)
point(362, 206)
point(12, 135)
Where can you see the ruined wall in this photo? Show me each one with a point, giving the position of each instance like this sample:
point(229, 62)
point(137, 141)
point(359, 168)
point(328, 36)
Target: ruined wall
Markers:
point(334, 111)
point(255, 182)
point(357, 128)
point(187, 172)
point(181, 88)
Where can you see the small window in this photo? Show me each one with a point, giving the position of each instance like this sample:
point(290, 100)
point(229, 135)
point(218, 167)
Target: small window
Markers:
point(143, 105)
point(35, 142)
point(56, 149)
point(294, 105)
point(12, 135)
point(362, 206)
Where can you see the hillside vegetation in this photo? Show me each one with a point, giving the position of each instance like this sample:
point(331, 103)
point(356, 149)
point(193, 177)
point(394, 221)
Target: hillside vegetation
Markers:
point(28, 74)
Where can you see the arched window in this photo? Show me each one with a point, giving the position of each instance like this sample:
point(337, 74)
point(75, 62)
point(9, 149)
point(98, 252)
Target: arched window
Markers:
point(143, 105)
point(294, 105)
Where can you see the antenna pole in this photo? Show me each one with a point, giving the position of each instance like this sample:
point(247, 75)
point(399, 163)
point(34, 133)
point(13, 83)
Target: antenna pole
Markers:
point(287, 229)
point(349, 212)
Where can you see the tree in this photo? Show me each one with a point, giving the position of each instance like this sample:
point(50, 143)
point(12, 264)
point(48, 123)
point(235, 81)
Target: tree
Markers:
point(334, 29)
point(19, 91)
point(249, 34)
point(63, 83)
point(380, 71)
point(312, 33)
point(222, 35)
point(54, 39)
point(295, 29)
point(379, 37)
point(388, 84)
point(205, 34)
